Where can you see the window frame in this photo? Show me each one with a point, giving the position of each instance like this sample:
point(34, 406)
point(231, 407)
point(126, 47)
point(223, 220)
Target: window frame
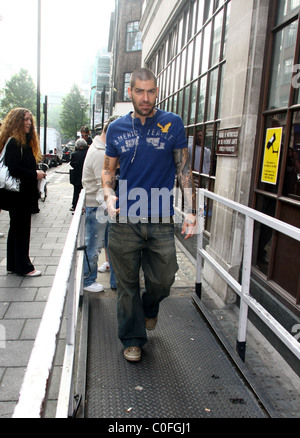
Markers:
point(129, 33)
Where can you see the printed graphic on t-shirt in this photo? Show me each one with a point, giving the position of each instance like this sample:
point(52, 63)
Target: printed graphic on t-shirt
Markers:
point(155, 142)
point(129, 144)
point(155, 138)
point(165, 128)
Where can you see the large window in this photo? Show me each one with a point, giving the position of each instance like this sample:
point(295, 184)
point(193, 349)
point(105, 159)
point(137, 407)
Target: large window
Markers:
point(133, 37)
point(276, 257)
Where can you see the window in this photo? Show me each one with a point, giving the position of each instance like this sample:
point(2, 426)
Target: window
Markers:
point(217, 37)
point(126, 85)
point(286, 8)
point(133, 37)
point(279, 92)
point(212, 95)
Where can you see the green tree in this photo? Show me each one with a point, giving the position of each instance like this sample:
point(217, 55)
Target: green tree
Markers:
point(19, 91)
point(74, 112)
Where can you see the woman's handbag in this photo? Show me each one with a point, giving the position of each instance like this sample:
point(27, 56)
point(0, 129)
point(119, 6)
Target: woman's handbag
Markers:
point(7, 181)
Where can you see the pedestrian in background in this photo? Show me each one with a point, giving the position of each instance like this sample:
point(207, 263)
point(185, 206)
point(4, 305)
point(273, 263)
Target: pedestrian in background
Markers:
point(85, 134)
point(94, 230)
point(151, 147)
point(107, 265)
point(1, 234)
point(77, 160)
point(21, 157)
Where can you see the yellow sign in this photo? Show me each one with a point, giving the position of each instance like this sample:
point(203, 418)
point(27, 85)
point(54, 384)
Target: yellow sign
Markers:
point(271, 156)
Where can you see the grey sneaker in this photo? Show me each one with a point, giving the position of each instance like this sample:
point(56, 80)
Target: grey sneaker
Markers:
point(150, 323)
point(132, 354)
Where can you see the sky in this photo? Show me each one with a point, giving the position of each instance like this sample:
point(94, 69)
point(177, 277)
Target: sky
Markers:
point(72, 32)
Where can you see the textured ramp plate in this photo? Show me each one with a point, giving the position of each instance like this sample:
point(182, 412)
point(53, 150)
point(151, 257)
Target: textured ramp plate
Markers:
point(183, 373)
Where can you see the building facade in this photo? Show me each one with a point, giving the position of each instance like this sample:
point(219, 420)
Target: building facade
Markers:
point(231, 68)
point(100, 90)
point(125, 46)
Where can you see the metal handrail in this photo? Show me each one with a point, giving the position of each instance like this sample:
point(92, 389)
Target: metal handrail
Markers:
point(243, 289)
point(63, 301)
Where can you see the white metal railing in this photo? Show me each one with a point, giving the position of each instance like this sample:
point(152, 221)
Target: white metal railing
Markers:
point(243, 289)
point(63, 301)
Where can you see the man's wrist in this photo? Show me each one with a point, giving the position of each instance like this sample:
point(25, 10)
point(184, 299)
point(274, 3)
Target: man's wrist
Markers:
point(108, 193)
point(190, 218)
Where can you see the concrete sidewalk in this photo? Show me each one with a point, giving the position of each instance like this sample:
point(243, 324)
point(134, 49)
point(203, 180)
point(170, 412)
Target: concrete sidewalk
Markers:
point(22, 302)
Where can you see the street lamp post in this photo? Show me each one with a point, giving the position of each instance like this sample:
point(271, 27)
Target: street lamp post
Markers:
point(45, 123)
point(103, 105)
point(38, 98)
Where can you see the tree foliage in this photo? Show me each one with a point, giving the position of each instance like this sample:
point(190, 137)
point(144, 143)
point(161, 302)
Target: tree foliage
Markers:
point(19, 91)
point(74, 112)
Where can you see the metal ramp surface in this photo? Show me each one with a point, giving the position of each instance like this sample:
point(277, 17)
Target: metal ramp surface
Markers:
point(184, 372)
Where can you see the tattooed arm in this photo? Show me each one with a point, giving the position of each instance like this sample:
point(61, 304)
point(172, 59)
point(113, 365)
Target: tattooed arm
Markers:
point(186, 183)
point(108, 184)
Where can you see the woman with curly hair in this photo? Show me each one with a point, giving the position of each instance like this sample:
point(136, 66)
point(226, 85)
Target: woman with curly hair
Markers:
point(21, 157)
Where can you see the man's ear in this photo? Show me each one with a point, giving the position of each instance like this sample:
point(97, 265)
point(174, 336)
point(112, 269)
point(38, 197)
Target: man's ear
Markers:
point(129, 92)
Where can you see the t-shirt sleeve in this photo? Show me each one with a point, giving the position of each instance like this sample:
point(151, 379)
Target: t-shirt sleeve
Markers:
point(181, 141)
point(110, 149)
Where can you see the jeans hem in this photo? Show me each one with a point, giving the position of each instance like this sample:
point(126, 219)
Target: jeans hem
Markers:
point(133, 342)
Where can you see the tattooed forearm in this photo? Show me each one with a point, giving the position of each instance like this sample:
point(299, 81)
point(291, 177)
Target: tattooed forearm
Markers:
point(185, 179)
point(108, 175)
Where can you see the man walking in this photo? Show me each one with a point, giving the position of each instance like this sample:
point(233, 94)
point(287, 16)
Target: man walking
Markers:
point(151, 147)
point(94, 229)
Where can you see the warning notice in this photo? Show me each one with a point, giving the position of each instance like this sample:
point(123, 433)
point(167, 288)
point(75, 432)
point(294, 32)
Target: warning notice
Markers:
point(271, 156)
point(228, 141)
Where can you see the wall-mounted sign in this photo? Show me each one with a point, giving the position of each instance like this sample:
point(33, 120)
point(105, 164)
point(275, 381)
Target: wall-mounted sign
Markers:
point(228, 141)
point(271, 156)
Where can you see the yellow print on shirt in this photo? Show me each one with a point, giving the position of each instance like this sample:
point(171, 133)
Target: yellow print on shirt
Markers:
point(164, 129)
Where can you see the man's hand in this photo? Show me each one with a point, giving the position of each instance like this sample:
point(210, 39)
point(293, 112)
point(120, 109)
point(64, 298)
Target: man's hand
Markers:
point(111, 206)
point(189, 226)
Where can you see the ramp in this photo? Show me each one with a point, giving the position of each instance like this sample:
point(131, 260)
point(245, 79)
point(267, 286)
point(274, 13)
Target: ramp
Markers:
point(184, 372)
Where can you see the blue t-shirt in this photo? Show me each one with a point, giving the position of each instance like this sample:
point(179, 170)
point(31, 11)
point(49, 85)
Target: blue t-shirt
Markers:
point(147, 167)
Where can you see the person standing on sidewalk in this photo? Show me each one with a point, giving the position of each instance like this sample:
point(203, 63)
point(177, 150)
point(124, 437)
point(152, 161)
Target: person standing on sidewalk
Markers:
point(151, 146)
point(94, 230)
point(1, 234)
point(85, 134)
point(21, 157)
point(77, 160)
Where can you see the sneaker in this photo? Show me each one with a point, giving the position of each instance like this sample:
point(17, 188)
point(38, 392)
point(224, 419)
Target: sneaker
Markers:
point(104, 267)
point(133, 354)
point(150, 323)
point(94, 287)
